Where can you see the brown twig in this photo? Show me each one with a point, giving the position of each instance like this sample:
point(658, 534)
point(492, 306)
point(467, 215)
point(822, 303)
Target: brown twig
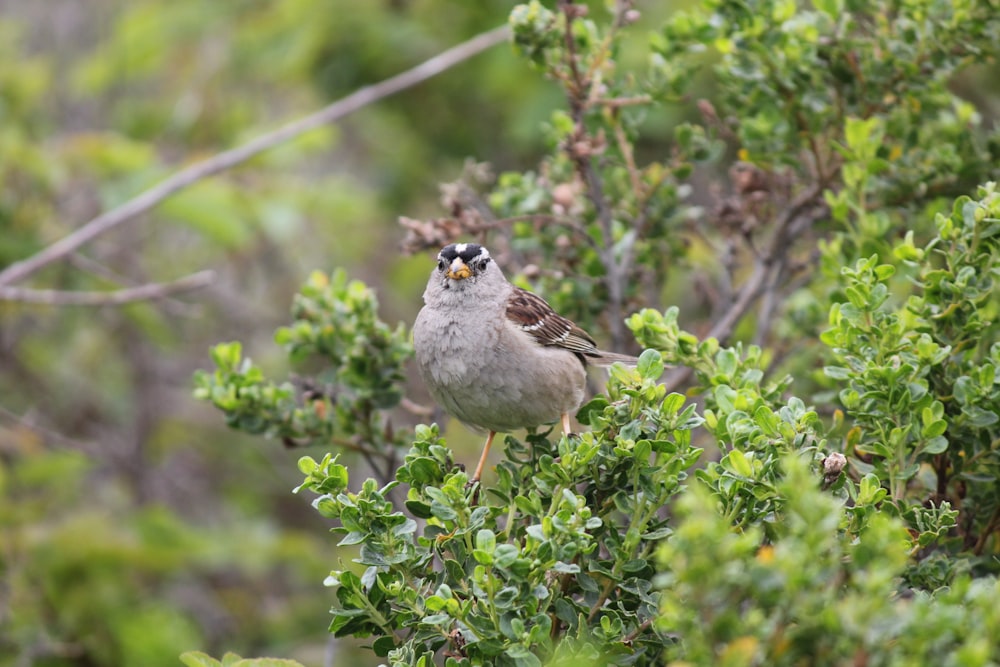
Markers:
point(794, 220)
point(609, 586)
point(416, 409)
point(988, 531)
point(232, 157)
point(44, 432)
point(579, 150)
point(618, 102)
point(147, 292)
point(630, 637)
point(788, 224)
point(169, 304)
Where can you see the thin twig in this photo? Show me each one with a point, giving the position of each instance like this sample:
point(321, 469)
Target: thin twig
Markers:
point(414, 408)
point(44, 432)
point(790, 219)
point(618, 102)
point(630, 637)
point(794, 220)
point(169, 304)
point(230, 158)
point(988, 530)
point(148, 292)
point(625, 148)
point(769, 300)
point(577, 96)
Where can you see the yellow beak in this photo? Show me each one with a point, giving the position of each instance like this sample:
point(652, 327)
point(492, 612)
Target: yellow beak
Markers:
point(458, 270)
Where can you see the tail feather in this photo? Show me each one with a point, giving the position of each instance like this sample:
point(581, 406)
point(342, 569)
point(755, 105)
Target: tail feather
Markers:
point(603, 359)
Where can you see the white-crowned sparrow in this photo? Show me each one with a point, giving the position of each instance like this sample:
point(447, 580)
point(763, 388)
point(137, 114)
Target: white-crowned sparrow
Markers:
point(495, 356)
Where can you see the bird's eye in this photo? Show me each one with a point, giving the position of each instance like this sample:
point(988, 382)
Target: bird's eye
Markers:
point(442, 265)
point(482, 263)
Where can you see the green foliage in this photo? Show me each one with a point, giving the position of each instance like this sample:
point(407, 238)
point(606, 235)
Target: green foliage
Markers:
point(97, 104)
point(130, 586)
point(795, 72)
point(814, 593)
point(919, 375)
point(797, 180)
point(551, 559)
point(336, 326)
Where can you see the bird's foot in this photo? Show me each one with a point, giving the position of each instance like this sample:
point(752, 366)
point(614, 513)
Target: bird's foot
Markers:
point(475, 486)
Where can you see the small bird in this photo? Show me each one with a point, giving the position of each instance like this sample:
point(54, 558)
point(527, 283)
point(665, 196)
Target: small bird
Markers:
point(495, 356)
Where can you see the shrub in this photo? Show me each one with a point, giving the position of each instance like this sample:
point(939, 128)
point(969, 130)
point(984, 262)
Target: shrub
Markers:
point(842, 386)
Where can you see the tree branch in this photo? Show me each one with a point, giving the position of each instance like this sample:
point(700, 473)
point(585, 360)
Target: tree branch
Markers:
point(232, 157)
point(791, 223)
point(168, 304)
point(794, 220)
point(148, 292)
point(25, 422)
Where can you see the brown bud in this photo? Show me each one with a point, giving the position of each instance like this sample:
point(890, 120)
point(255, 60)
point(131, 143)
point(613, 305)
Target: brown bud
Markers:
point(564, 195)
point(833, 464)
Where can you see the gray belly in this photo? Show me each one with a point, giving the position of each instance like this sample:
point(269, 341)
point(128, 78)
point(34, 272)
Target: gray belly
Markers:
point(478, 380)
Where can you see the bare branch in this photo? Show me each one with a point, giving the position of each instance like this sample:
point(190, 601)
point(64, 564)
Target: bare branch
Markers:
point(25, 422)
point(230, 158)
point(794, 220)
point(618, 102)
point(148, 292)
point(791, 222)
point(168, 304)
point(414, 408)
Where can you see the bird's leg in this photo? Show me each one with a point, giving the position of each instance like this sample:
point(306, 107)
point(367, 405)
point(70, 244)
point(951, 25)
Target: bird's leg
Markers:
point(567, 429)
point(482, 458)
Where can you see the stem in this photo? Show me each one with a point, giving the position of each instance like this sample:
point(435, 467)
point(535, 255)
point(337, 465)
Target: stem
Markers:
point(119, 297)
point(601, 599)
point(577, 87)
point(991, 526)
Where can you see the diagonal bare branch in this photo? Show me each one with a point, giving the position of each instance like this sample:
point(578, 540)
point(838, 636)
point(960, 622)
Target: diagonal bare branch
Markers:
point(232, 157)
point(147, 292)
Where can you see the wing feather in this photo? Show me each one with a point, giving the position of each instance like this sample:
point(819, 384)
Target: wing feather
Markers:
point(533, 315)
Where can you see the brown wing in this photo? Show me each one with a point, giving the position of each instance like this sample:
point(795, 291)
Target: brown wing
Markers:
point(533, 315)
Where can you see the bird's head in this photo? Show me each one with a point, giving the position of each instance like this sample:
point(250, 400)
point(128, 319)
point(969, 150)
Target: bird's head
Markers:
point(459, 262)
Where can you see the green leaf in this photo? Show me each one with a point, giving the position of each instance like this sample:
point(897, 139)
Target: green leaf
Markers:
point(739, 463)
point(591, 410)
point(505, 555)
point(832, 8)
point(934, 429)
point(650, 365)
point(979, 417)
point(936, 445)
point(419, 509)
point(870, 490)
point(522, 656)
point(383, 645)
point(486, 540)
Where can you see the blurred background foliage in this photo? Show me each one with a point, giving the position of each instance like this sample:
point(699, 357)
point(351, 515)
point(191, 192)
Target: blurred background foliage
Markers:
point(129, 531)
